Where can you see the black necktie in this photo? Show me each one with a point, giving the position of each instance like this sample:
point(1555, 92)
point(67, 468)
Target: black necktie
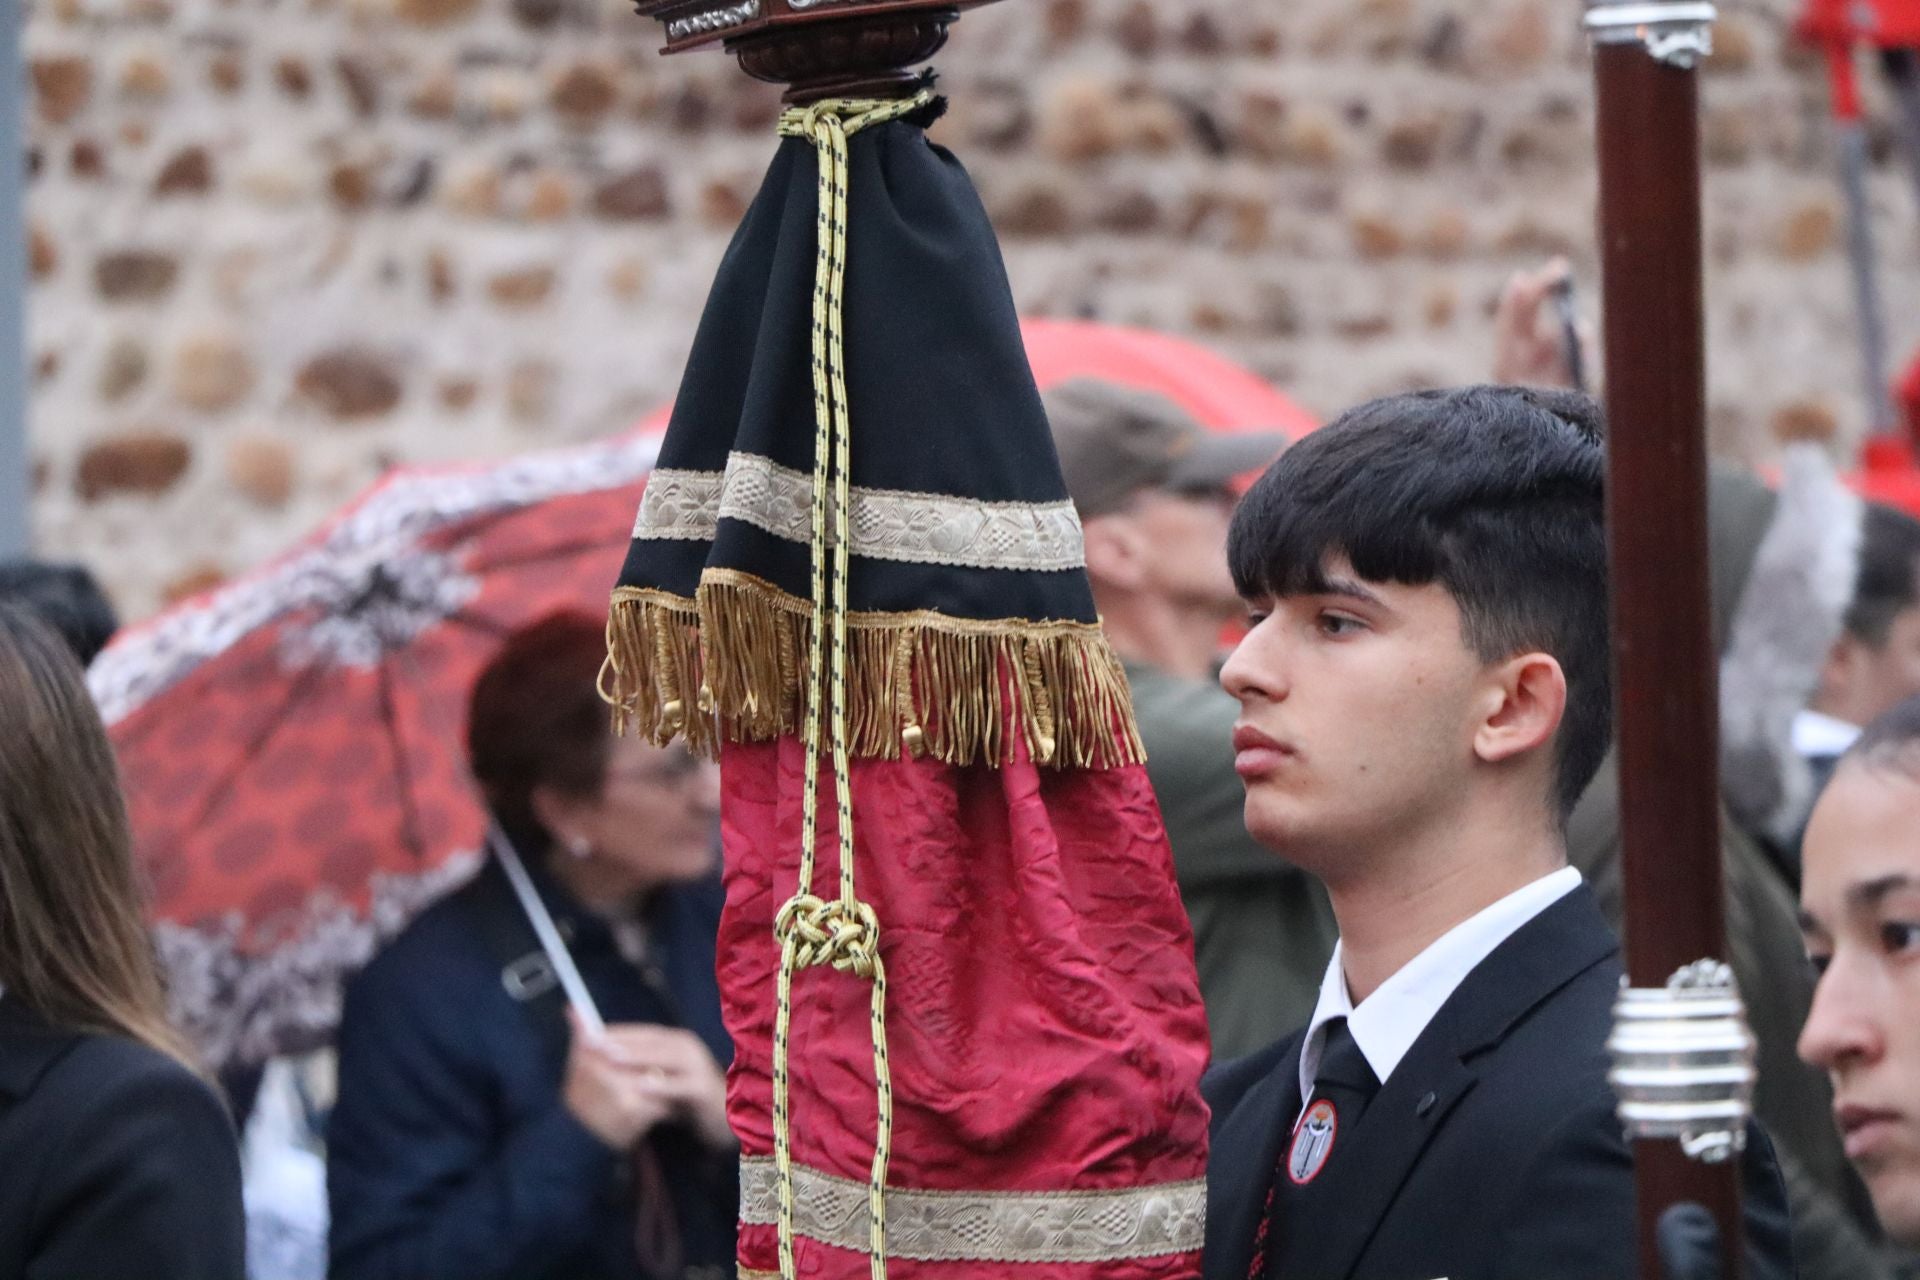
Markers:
point(1343, 1085)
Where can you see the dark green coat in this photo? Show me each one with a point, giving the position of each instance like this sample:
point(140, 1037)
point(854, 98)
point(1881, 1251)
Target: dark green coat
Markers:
point(1262, 928)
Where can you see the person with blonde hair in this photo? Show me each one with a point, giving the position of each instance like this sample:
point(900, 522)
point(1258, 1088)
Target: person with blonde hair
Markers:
point(116, 1157)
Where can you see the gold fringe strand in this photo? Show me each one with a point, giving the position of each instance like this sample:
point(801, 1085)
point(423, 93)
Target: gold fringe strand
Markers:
point(919, 683)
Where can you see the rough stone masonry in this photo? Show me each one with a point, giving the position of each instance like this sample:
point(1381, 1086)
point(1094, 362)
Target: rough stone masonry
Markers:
point(280, 245)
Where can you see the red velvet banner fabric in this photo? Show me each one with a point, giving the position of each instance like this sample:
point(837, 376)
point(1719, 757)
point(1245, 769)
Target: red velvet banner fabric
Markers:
point(1045, 1026)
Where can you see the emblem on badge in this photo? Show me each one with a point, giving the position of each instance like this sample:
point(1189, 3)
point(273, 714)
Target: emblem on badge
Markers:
point(1312, 1142)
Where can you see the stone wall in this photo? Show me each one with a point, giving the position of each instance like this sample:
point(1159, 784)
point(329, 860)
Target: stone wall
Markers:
point(281, 245)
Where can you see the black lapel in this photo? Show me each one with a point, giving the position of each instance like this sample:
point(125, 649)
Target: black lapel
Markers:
point(1246, 1147)
point(1545, 954)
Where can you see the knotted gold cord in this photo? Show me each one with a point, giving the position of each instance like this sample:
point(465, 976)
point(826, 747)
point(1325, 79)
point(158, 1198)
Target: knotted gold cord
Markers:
point(843, 933)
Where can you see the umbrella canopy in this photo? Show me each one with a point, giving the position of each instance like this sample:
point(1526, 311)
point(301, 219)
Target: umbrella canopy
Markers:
point(291, 744)
point(1217, 392)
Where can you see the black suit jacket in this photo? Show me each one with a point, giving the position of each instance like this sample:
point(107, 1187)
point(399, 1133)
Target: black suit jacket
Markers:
point(1491, 1153)
point(114, 1161)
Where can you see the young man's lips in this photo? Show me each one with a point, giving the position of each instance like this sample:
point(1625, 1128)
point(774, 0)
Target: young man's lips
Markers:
point(1256, 754)
point(1864, 1128)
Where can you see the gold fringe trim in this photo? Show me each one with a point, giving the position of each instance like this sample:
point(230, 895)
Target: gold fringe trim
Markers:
point(729, 664)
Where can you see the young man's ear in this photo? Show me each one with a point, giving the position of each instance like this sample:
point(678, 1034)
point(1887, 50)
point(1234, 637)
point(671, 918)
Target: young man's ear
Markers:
point(1526, 697)
point(1116, 554)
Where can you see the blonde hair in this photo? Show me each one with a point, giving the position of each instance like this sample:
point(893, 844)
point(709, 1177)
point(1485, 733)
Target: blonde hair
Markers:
point(74, 945)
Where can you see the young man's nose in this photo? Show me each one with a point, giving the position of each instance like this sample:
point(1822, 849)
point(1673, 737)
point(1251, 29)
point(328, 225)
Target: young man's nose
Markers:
point(1840, 1027)
point(1257, 666)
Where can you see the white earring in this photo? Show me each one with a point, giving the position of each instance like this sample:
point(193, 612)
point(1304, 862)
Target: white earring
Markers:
point(578, 846)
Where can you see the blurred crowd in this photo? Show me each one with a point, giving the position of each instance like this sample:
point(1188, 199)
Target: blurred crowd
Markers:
point(529, 1080)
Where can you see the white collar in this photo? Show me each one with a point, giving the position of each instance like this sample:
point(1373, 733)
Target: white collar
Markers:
point(1817, 734)
point(1386, 1023)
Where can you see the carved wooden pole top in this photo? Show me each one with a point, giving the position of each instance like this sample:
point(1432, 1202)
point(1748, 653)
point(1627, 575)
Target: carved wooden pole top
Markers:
point(818, 48)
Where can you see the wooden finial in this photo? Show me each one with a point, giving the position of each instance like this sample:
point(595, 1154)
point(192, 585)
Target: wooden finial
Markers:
point(818, 48)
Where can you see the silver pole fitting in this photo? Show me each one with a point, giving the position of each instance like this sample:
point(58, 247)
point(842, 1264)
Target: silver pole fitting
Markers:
point(1678, 34)
point(1683, 1062)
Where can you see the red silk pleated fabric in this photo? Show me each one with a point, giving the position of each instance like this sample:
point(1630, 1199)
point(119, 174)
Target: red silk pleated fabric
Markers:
point(1045, 1026)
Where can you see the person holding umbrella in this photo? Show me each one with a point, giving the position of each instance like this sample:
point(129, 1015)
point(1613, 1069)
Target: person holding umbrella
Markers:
point(117, 1158)
point(487, 1124)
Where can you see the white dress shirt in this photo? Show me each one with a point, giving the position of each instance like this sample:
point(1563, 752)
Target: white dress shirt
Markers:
point(1818, 734)
point(1386, 1023)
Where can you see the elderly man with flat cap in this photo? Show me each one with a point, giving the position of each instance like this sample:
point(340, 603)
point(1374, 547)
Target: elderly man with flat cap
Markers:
point(1152, 488)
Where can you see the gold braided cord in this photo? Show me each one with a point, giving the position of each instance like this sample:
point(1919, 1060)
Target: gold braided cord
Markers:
point(844, 933)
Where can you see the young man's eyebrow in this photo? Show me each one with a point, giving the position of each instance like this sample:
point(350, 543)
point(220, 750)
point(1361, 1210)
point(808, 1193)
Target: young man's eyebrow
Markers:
point(1348, 587)
point(1868, 893)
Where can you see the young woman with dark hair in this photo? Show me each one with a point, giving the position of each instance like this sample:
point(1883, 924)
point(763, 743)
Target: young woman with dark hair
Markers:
point(118, 1159)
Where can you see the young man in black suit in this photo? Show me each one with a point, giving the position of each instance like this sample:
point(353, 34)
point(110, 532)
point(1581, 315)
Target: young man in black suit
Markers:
point(1424, 694)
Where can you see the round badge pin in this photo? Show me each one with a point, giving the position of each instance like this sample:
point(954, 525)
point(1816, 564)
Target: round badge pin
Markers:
point(1312, 1142)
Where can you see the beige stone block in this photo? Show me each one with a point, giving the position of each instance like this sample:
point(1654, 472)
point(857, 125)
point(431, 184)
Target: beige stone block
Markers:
point(1375, 235)
point(145, 76)
point(360, 83)
point(293, 76)
point(1081, 119)
point(188, 173)
point(87, 159)
point(1137, 30)
point(434, 13)
point(458, 394)
point(1735, 46)
point(638, 195)
point(627, 280)
point(43, 256)
point(1446, 234)
point(531, 385)
point(135, 275)
point(436, 96)
point(350, 384)
point(143, 461)
point(261, 469)
point(62, 86)
point(1810, 230)
point(1804, 420)
point(212, 373)
point(584, 93)
point(1064, 20)
point(227, 73)
point(1521, 38)
point(122, 370)
point(197, 580)
point(522, 287)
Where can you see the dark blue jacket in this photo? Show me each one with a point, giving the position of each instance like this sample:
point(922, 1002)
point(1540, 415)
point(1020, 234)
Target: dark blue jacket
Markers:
point(450, 1152)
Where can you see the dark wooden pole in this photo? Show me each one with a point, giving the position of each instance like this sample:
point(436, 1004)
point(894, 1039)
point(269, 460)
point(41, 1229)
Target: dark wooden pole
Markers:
point(1649, 147)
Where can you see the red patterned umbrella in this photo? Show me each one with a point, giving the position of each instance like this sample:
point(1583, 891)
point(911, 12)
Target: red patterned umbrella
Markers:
point(291, 743)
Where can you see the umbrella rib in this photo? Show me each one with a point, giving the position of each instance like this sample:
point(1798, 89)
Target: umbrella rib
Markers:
point(217, 796)
point(390, 720)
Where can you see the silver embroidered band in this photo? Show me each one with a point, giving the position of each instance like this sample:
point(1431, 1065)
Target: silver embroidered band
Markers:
point(986, 1226)
point(887, 524)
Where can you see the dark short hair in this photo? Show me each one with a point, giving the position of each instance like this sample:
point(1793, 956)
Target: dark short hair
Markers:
point(1891, 742)
point(1889, 579)
point(1495, 493)
point(536, 719)
point(66, 598)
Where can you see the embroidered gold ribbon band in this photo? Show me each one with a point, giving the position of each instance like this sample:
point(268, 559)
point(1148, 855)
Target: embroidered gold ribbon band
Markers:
point(987, 1226)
